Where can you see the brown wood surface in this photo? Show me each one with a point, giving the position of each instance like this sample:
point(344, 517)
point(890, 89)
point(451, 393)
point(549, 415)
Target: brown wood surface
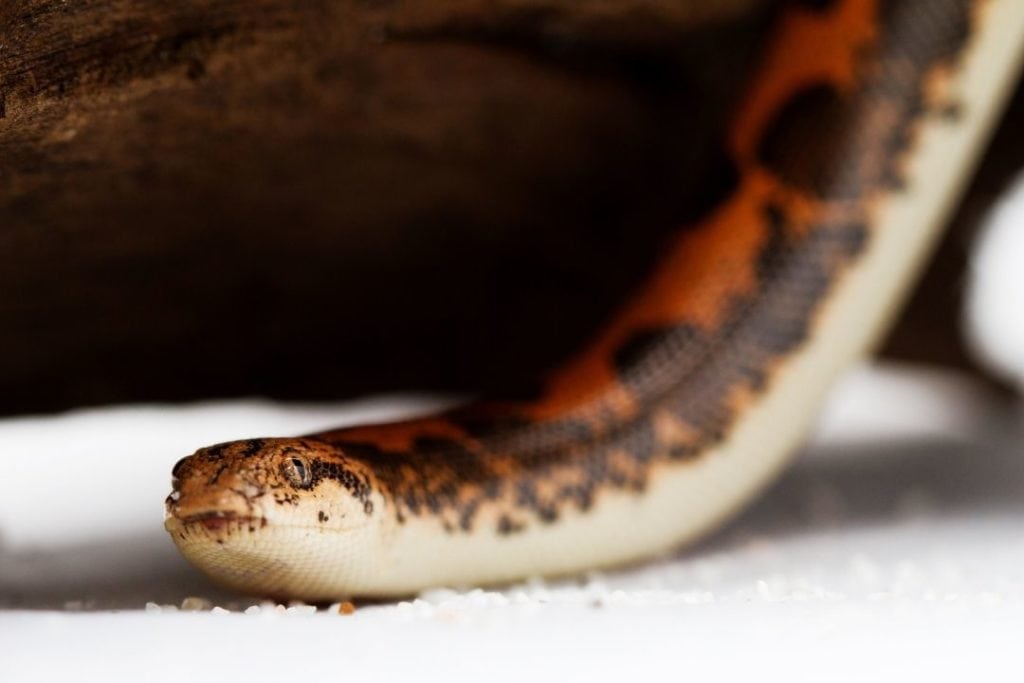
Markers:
point(205, 198)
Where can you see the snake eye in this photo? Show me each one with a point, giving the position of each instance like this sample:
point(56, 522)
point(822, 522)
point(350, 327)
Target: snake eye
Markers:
point(176, 470)
point(298, 472)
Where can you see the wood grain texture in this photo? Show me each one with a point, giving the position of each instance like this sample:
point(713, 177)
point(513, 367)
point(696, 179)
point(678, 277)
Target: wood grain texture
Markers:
point(215, 198)
point(316, 199)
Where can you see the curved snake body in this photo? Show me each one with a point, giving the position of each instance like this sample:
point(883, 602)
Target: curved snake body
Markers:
point(846, 151)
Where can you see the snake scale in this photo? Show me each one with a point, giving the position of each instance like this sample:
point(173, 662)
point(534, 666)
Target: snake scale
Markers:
point(847, 149)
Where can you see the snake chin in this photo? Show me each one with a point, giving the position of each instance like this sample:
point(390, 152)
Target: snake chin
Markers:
point(277, 559)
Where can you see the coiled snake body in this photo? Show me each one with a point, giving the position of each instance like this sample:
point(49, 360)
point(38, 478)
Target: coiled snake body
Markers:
point(848, 148)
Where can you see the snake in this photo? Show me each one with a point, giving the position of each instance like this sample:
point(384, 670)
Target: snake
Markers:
point(848, 147)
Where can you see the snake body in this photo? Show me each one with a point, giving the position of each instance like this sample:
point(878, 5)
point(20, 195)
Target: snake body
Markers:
point(846, 151)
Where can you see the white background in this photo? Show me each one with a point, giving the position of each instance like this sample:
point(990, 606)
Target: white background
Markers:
point(892, 550)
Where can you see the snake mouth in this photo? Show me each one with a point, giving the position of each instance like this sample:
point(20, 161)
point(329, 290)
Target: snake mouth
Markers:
point(215, 520)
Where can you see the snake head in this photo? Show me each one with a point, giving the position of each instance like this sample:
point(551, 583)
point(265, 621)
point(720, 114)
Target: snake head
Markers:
point(254, 514)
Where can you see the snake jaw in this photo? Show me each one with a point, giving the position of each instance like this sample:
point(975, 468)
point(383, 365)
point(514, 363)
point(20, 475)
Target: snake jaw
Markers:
point(215, 520)
point(219, 519)
point(213, 507)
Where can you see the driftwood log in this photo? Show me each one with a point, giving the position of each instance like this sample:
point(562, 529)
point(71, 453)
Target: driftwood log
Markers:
point(316, 199)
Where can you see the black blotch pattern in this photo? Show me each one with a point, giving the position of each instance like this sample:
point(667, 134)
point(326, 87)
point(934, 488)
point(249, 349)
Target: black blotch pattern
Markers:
point(844, 146)
point(641, 361)
point(924, 35)
point(252, 447)
point(358, 487)
point(216, 452)
point(507, 526)
point(805, 139)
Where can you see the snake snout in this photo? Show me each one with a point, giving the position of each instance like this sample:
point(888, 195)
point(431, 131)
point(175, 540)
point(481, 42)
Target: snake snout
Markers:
point(214, 506)
point(219, 504)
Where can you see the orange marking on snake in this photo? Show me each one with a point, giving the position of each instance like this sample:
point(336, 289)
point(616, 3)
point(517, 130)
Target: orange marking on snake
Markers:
point(810, 48)
point(401, 437)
